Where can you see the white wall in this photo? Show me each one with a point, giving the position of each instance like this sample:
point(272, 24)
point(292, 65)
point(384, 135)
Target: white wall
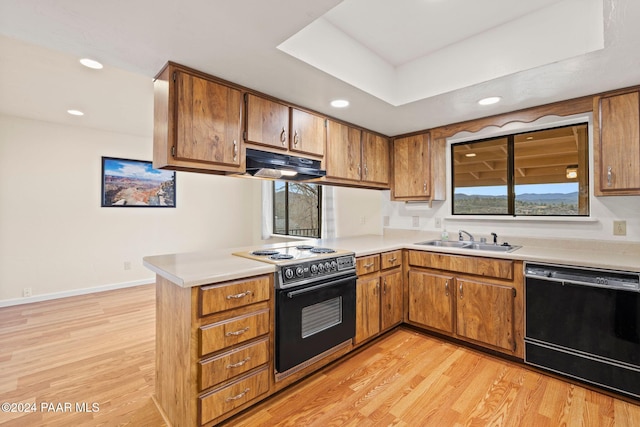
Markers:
point(55, 237)
point(357, 211)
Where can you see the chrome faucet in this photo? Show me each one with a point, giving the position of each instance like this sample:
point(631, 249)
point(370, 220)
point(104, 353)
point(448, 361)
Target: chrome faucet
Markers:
point(460, 232)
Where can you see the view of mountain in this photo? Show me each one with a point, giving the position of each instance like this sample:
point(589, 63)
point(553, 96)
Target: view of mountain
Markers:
point(526, 204)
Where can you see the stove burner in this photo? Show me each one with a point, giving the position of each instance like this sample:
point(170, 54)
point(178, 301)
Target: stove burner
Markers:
point(278, 256)
point(322, 250)
point(304, 247)
point(265, 252)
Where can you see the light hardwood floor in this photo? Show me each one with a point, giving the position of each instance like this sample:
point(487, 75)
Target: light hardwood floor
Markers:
point(100, 348)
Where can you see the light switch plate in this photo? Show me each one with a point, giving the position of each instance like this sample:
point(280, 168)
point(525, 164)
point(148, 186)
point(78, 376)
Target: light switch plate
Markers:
point(416, 221)
point(619, 228)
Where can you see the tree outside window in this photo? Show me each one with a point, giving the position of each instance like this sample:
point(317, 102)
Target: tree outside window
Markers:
point(297, 209)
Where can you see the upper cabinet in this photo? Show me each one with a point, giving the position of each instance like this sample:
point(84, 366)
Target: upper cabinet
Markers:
point(356, 156)
point(197, 122)
point(617, 144)
point(418, 168)
point(277, 125)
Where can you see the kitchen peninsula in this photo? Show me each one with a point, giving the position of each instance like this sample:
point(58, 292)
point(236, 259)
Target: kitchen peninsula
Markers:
point(215, 313)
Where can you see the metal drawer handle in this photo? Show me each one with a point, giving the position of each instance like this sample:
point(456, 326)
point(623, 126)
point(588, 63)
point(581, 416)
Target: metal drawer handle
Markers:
point(240, 295)
point(424, 187)
point(240, 332)
point(283, 136)
point(235, 150)
point(392, 259)
point(238, 396)
point(446, 288)
point(296, 138)
point(609, 176)
point(460, 290)
point(369, 265)
point(238, 364)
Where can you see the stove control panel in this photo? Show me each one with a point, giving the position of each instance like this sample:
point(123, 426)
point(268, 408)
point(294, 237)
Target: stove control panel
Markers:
point(309, 271)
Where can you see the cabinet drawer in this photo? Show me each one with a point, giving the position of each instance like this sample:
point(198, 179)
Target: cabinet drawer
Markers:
point(488, 267)
point(214, 298)
point(225, 399)
point(236, 330)
point(230, 364)
point(390, 259)
point(367, 264)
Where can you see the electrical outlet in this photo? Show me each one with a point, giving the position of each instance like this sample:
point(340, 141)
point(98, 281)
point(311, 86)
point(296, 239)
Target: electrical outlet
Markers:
point(127, 265)
point(385, 220)
point(416, 221)
point(438, 222)
point(619, 228)
point(26, 292)
point(363, 220)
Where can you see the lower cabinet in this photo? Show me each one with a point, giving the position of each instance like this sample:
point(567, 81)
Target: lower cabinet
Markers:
point(379, 298)
point(486, 311)
point(214, 349)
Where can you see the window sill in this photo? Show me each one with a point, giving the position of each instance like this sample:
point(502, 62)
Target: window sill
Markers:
point(542, 219)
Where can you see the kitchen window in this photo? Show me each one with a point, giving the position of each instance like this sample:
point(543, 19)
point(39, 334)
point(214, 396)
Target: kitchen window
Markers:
point(297, 209)
point(538, 173)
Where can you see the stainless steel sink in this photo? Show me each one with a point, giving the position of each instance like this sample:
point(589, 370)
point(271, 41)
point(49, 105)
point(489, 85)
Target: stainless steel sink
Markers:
point(446, 243)
point(492, 247)
point(465, 244)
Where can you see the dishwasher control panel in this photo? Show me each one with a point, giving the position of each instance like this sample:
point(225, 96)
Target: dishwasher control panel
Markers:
point(584, 276)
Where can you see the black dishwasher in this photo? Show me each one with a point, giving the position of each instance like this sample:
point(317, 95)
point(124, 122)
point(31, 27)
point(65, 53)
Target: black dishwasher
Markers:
point(584, 323)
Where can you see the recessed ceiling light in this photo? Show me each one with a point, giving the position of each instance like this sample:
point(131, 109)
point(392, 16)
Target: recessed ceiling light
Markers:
point(90, 63)
point(490, 100)
point(339, 103)
point(75, 112)
point(470, 155)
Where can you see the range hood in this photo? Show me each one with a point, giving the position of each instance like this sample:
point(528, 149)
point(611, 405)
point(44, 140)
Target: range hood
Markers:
point(264, 164)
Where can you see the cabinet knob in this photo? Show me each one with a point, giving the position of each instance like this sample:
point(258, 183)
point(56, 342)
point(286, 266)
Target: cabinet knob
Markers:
point(283, 136)
point(609, 176)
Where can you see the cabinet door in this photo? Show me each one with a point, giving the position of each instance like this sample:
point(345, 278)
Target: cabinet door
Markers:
point(375, 158)
point(367, 308)
point(391, 299)
point(620, 143)
point(267, 122)
point(485, 313)
point(411, 167)
point(308, 132)
point(208, 121)
point(343, 151)
point(431, 300)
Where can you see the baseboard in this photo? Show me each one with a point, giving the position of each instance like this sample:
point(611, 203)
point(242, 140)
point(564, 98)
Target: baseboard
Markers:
point(74, 292)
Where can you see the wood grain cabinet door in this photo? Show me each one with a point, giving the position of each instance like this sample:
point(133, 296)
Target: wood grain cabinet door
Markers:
point(367, 308)
point(391, 299)
point(267, 122)
point(375, 158)
point(411, 167)
point(485, 313)
point(343, 152)
point(208, 121)
point(431, 300)
point(308, 133)
point(619, 150)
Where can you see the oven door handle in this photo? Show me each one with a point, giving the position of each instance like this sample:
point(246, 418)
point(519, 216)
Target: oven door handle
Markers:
point(299, 292)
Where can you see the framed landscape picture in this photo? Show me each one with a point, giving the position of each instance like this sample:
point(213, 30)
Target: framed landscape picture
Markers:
point(135, 183)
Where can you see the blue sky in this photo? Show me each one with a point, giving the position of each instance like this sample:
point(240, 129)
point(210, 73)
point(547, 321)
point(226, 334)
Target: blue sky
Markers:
point(135, 169)
point(563, 188)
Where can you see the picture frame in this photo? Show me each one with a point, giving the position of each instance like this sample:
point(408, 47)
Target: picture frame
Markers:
point(130, 183)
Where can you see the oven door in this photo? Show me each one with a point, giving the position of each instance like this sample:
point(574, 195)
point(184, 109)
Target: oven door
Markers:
point(314, 318)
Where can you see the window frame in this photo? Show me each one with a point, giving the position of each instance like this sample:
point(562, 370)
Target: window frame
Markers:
point(511, 194)
point(286, 202)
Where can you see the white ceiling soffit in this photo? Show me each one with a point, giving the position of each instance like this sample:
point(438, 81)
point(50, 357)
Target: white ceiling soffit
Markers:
point(414, 49)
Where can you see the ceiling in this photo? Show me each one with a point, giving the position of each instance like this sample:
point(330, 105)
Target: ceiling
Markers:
point(239, 41)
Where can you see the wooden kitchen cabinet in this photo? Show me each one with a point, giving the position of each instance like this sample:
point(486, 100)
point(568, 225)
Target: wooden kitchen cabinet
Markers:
point(485, 313)
point(276, 125)
point(379, 294)
point(214, 348)
point(431, 300)
point(355, 156)
point(411, 168)
point(617, 144)
point(197, 122)
point(472, 298)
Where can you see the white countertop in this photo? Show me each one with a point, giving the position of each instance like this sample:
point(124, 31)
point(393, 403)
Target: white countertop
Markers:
point(199, 268)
